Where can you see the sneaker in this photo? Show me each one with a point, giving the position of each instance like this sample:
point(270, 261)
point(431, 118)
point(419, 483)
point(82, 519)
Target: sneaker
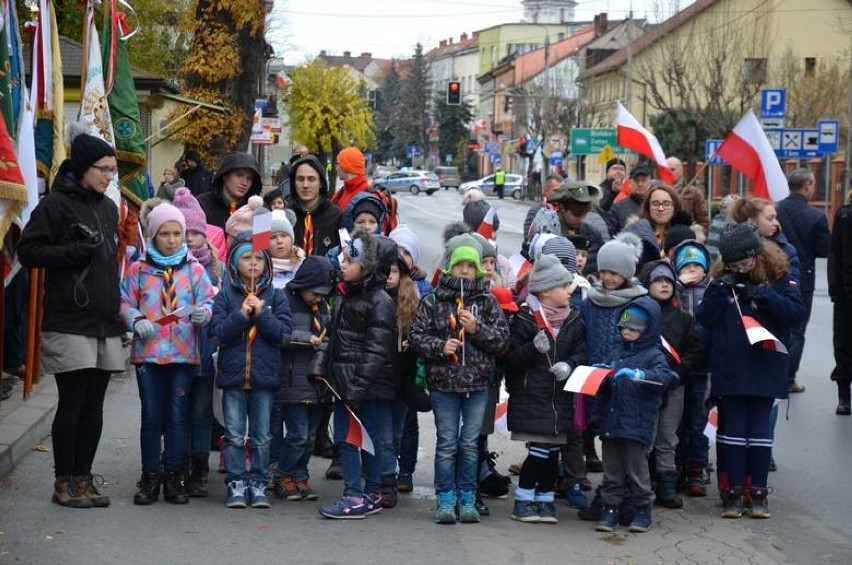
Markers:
point(467, 508)
point(732, 503)
point(375, 502)
point(405, 482)
point(795, 387)
point(641, 519)
point(286, 488)
point(547, 513)
point(608, 519)
point(236, 495)
point(575, 496)
point(445, 512)
point(759, 503)
point(347, 508)
point(306, 491)
point(526, 511)
point(493, 486)
point(258, 496)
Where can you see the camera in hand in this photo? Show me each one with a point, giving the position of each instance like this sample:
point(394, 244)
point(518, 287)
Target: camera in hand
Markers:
point(84, 233)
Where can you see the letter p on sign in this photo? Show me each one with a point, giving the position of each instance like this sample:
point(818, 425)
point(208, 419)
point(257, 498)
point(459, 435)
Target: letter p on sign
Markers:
point(773, 102)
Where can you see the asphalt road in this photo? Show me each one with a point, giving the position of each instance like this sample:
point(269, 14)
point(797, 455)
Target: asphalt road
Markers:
point(810, 499)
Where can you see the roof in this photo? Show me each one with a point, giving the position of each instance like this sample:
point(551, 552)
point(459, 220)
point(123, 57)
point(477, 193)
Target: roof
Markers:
point(449, 48)
point(646, 40)
point(532, 63)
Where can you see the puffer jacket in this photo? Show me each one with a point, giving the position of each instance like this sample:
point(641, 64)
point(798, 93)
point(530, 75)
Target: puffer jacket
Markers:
point(627, 408)
point(537, 403)
point(738, 368)
point(141, 298)
point(298, 354)
point(216, 205)
point(81, 288)
point(242, 362)
point(431, 329)
point(363, 338)
point(690, 296)
point(600, 313)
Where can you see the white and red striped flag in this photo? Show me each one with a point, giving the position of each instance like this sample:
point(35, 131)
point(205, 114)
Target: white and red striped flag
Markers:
point(357, 435)
point(176, 315)
point(519, 265)
point(500, 423)
point(670, 350)
point(587, 380)
point(748, 150)
point(632, 135)
point(538, 313)
point(712, 424)
point(261, 232)
point(486, 228)
point(757, 334)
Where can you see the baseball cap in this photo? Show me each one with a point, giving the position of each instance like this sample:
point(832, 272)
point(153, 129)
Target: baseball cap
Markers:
point(639, 170)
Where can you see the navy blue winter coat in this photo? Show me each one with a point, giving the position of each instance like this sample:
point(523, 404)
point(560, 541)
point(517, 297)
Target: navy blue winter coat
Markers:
point(296, 386)
point(738, 368)
point(600, 313)
point(792, 255)
point(626, 408)
point(806, 229)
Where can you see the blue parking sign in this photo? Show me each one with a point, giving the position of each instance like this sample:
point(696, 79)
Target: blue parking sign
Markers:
point(773, 102)
point(710, 148)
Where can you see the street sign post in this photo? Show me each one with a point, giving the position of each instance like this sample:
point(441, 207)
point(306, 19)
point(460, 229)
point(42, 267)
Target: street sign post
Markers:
point(710, 148)
point(591, 141)
point(829, 135)
point(773, 102)
point(799, 143)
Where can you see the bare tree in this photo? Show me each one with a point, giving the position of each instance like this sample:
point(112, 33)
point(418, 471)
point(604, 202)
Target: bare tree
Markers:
point(816, 89)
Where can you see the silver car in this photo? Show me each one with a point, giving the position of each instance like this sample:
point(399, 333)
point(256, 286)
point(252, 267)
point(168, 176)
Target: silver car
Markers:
point(409, 181)
point(513, 186)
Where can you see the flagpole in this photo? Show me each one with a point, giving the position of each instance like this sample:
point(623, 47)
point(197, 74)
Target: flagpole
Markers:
point(704, 166)
point(461, 332)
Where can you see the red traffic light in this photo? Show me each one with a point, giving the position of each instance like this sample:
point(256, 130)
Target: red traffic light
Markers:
point(454, 93)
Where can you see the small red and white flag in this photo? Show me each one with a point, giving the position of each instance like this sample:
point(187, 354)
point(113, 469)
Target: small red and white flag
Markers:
point(519, 265)
point(632, 135)
point(538, 313)
point(261, 231)
point(500, 423)
point(712, 424)
point(670, 350)
point(436, 276)
point(757, 334)
point(176, 315)
point(587, 380)
point(748, 151)
point(357, 435)
point(486, 228)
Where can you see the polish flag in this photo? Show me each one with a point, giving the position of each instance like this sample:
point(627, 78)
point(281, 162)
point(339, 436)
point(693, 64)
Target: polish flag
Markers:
point(586, 380)
point(181, 312)
point(519, 265)
point(632, 135)
point(670, 350)
point(486, 228)
point(712, 424)
point(756, 333)
point(500, 423)
point(748, 151)
point(261, 231)
point(357, 435)
point(436, 277)
point(538, 313)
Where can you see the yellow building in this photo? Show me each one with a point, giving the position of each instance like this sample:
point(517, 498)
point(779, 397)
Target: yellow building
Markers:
point(501, 41)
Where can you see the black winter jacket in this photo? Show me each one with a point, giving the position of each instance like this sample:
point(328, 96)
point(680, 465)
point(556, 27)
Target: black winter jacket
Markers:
point(537, 403)
point(327, 219)
point(81, 290)
point(217, 206)
point(297, 387)
point(806, 229)
point(840, 258)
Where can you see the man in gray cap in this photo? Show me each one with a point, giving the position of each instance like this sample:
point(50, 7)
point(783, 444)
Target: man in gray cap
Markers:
point(573, 203)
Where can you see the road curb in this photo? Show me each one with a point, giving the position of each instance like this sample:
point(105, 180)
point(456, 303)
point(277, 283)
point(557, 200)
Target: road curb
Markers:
point(26, 426)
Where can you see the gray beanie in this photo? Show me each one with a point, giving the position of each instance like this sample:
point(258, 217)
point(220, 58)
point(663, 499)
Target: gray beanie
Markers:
point(280, 223)
point(561, 248)
point(620, 256)
point(548, 273)
point(739, 241)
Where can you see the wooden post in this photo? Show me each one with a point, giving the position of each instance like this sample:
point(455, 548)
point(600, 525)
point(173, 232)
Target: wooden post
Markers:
point(32, 358)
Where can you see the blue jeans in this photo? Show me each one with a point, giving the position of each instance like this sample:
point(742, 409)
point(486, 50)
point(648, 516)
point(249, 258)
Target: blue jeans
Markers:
point(693, 446)
point(302, 421)
point(377, 419)
point(164, 393)
point(200, 416)
point(256, 405)
point(458, 419)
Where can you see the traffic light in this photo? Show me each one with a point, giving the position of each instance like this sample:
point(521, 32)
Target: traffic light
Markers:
point(522, 146)
point(454, 93)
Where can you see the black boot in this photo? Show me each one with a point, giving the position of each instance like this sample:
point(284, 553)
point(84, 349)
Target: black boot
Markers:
point(335, 469)
point(149, 489)
point(324, 446)
point(174, 490)
point(844, 392)
point(667, 490)
point(196, 486)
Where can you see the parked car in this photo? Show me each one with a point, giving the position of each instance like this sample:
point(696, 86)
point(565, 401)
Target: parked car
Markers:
point(449, 176)
point(411, 181)
point(383, 171)
point(514, 186)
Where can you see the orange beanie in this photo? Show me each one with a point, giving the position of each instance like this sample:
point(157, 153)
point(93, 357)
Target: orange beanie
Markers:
point(352, 161)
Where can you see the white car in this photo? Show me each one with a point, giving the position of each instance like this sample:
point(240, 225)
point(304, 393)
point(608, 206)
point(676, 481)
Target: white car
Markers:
point(410, 181)
point(513, 186)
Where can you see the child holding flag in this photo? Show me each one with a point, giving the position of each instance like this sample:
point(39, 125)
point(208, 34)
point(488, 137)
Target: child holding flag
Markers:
point(167, 281)
point(548, 341)
point(751, 285)
point(459, 330)
point(251, 322)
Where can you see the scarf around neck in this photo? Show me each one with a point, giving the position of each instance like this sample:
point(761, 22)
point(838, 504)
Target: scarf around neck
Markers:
point(614, 298)
point(556, 315)
point(167, 260)
point(202, 254)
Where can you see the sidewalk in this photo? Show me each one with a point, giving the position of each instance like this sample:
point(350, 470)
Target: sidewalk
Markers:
point(25, 423)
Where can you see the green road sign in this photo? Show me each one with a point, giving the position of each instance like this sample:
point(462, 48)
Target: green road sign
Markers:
point(591, 141)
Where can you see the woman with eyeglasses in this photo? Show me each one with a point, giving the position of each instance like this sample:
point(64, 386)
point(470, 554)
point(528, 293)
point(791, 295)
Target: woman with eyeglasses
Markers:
point(661, 209)
point(73, 236)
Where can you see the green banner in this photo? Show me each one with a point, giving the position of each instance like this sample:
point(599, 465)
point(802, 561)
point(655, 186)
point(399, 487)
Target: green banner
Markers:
point(591, 141)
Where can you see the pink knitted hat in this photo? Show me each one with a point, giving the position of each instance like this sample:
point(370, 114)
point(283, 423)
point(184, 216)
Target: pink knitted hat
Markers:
point(241, 220)
point(161, 214)
point(186, 203)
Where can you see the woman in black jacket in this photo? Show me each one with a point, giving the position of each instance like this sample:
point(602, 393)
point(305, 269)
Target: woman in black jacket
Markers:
point(72, 234)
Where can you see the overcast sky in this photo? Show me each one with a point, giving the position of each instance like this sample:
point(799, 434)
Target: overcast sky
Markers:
point(391, 28)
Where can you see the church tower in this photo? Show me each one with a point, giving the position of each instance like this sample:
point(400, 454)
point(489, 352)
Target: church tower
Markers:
point(549, 11)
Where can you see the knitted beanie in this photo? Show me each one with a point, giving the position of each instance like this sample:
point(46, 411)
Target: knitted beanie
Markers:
point(316, 273)
point(548, 272)
point(354, 250)
point(86, 150)
point(615, 161)
point(352, 161)
point(185, 202)
point(407, 239)
point(280, 223)
point(488, 249)
point(690, 254)
point(561, 248)
point(661, 271)
point(677, 234)
point(161, 214)
point(465, 253)
point(368, 206)
point(619, 257)
point(241, 220)
point(474, 213)
point(739, 241)
point(466, 240)
point(634, 317)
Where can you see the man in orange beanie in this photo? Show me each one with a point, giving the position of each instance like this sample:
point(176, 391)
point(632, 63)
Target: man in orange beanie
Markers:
point(351, 168)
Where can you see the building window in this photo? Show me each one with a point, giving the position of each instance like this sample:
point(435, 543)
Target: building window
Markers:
point(754, 71)
point(810, 66)
point(560, 36)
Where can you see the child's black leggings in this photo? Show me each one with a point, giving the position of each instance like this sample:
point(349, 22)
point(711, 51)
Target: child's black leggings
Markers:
point(540, 468)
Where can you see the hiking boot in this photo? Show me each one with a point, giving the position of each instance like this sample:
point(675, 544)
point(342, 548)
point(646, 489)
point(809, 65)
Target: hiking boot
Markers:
point(759, 503)
point(696, 484)
point(257, 495)
point(347, 508)
point(196, 485)
point(467, 507)
point(174, 490)
point(732, 503)
point(575, 496)
point(66, 494)
point(666, 494)
point(493, 486)
point(149, 489)
point(608, 519)
point(405, 482)
point(641, 519)
point(236, 495)
point(390, 490)
point(445, 512)
point(306, 491)
point(86, 487)
point(481, 507)
point(547, 513)
point(286, 488)
point(525, 511)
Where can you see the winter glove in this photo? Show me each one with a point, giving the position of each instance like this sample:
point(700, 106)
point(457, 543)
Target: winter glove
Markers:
point(144, 328)
point(638, 374)
point(199, 317)
point(541, 342)
point(561, 371)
